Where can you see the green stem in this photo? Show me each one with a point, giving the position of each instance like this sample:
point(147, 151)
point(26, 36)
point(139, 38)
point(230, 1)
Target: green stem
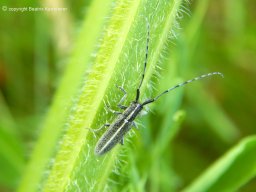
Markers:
point(62, 103)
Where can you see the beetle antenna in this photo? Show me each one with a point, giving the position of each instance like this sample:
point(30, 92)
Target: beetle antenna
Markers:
point(180, 85)
point(145, 64)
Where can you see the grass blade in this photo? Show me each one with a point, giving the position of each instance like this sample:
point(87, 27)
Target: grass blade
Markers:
point(231, 171)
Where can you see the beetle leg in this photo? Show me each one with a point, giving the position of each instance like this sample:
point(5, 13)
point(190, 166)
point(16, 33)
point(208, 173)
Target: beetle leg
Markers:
point(122, 141)
point(96, 130)
point(135, 125)
point(122, 99)
point(112, 110)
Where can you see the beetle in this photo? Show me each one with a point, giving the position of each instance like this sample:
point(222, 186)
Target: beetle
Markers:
point(125, 120)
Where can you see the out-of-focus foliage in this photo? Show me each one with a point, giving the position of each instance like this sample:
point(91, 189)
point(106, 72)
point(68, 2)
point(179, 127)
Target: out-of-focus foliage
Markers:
point(187, 131)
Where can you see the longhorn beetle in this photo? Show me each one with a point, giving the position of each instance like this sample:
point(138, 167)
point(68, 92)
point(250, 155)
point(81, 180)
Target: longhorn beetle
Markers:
point(125, 120)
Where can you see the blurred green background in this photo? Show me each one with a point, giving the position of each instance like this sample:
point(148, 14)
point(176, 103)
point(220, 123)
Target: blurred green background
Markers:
point(34, 47)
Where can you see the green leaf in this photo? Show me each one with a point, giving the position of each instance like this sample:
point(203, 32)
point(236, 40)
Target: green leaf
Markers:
point(122, 49)
point(12, 160)
point(224, 126)
point(68, 89)
point(119, 60)
point(231, 171)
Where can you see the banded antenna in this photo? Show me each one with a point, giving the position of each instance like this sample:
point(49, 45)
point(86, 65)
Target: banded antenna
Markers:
point(180, 85)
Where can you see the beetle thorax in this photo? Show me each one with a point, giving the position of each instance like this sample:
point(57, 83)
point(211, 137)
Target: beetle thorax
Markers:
point(132, 111)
